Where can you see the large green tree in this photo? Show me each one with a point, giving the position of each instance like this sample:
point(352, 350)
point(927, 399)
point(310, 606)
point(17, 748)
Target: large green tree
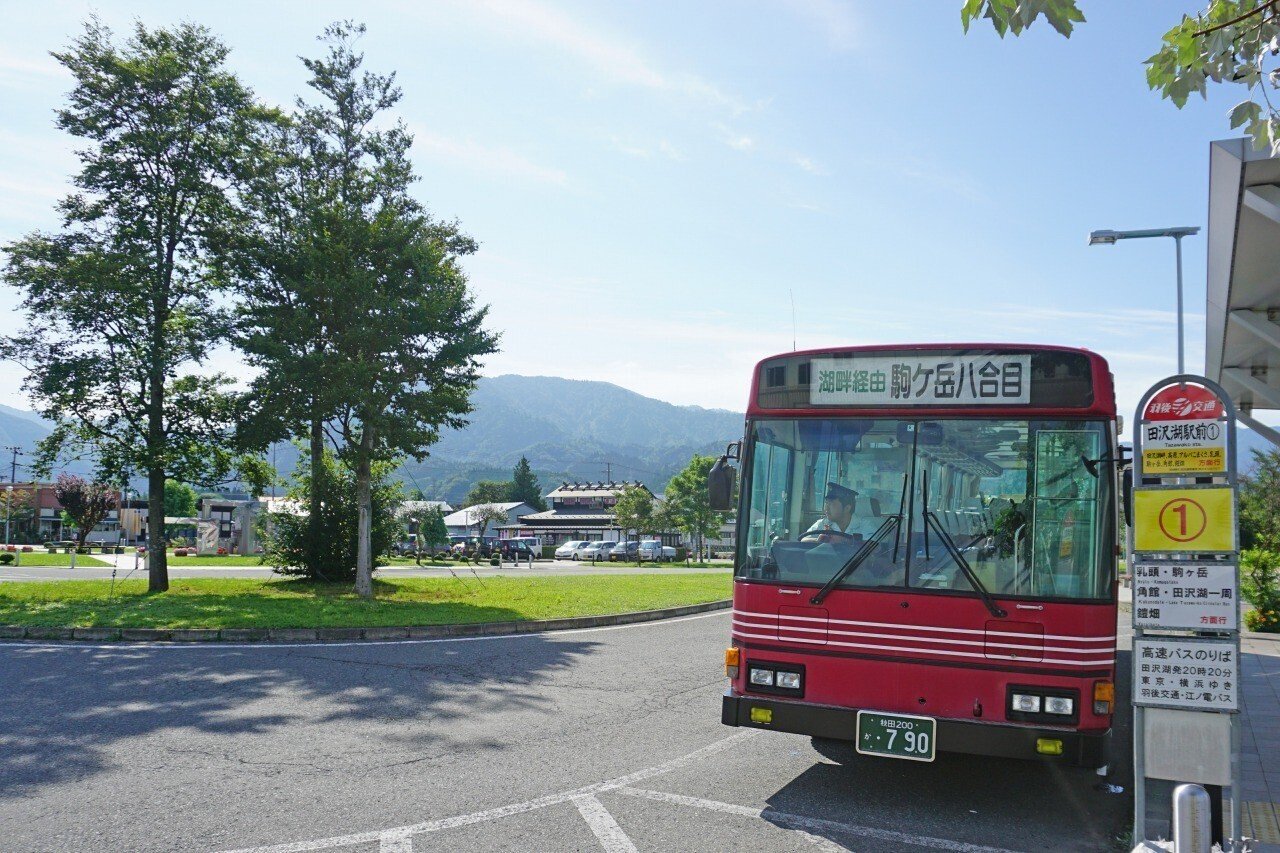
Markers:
point(1231, 41)
point(180, 500)
point(487, 492)
point(359, 316)
point(525, 487)
point(636, 510)
point(688, 503)
point(124, 299)
point(1260, 502)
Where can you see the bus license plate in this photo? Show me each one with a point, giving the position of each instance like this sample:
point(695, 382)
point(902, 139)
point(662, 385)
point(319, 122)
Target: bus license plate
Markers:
point(896, 735)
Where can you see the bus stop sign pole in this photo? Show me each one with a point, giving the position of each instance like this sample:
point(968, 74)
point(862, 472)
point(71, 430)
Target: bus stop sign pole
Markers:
point(1183, 554)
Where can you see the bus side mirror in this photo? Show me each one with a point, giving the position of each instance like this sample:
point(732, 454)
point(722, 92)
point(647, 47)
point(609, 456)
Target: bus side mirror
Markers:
point(1126, 490)
point(720, 482)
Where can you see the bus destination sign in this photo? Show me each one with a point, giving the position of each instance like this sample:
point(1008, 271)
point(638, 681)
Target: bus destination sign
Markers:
point(922, 379)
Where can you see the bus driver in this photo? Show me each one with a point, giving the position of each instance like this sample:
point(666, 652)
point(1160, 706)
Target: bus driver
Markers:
point(838, 518)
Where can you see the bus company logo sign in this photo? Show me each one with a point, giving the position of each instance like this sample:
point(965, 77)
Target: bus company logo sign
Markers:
point(1191, 402)
point(938, 381)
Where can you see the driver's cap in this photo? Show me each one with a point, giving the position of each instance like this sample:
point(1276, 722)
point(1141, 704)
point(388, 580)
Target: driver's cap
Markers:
point(835, 491)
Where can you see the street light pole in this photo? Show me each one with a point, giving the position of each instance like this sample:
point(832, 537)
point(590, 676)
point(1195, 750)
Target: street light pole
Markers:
point(1106, 237)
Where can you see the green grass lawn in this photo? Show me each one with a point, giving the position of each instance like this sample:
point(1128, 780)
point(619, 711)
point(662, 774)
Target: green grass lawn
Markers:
point(228, 560)
point(253, 603)
point(43, 558)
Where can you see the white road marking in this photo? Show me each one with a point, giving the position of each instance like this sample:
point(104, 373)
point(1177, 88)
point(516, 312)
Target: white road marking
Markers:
point(246, 647)
point(812, 824)
point(606, 829)
point(392, 842)
point(513, 809)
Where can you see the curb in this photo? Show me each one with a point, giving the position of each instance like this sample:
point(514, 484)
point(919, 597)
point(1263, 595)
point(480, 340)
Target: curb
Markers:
point(324, 635)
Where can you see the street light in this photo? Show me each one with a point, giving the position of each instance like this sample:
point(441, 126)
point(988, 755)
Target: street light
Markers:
point(1107, 237)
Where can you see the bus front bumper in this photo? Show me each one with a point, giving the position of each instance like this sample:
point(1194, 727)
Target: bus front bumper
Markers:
point(998, 739)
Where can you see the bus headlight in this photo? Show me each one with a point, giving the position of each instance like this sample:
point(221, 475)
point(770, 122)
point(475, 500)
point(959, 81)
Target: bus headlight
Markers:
point(1059, 705)
point(1025, 703)
point(762, 677)
point(789, 680)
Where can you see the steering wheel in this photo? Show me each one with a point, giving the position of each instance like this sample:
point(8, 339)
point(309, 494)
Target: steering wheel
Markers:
point(819, 533)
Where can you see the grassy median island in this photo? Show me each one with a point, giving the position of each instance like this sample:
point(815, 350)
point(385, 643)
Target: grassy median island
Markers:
point(44, 559)
point(254, 603)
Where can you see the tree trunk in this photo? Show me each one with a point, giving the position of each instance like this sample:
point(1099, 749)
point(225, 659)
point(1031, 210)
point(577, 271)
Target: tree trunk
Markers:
point(364, 532)
point(315, 496)
point(157, 556)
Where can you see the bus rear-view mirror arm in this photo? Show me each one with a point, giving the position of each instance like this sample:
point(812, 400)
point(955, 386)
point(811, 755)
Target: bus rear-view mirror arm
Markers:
point(721, 480)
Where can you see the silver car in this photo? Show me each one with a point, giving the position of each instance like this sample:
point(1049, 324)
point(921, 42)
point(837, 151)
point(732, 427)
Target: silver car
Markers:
point(597, 550)
point(570, 549)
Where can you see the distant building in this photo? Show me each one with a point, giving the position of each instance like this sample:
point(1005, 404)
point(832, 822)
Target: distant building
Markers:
point(41, 518)
point(579, 511)
point(464, 521)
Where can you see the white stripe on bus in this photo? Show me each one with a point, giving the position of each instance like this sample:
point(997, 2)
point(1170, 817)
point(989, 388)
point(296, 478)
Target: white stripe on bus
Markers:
point(917, 650)
point(1099, 638)
point(1025, 646)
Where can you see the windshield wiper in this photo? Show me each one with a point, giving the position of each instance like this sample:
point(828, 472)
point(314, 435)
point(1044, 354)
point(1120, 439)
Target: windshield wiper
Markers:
point(869, 546)
point(995, 609)
point(928, 515)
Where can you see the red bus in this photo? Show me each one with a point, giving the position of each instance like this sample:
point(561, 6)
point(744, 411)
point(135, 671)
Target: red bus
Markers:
point(926, 551)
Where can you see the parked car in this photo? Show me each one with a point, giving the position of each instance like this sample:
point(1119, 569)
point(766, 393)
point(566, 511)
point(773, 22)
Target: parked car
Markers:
point(623, 551)
point(522, 549)
point(651, 550)
point(569, 550)
point(655, 551)
point(598, 550)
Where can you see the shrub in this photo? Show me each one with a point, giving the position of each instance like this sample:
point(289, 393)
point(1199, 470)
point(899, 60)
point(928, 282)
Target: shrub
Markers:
point(6, 558)
point(333, 556)
point(1260, 586)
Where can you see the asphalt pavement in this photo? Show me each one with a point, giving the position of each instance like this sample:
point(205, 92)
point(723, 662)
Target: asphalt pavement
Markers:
point(579, 740)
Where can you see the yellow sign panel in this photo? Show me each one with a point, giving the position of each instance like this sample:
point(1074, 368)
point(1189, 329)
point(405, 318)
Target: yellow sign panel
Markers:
point(1184, 460)
point(1182, 520)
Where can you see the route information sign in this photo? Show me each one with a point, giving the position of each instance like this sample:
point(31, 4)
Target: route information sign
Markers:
point(1184, 447)
point(1169, 521)
point(1186, 673)
point(1186, 594)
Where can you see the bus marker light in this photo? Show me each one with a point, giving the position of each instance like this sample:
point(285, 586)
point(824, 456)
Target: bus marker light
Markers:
point(762, 715)
point(1059, 705)
point(1104, 694)
point(1048, 746)
point(732, 657)
point(1026, 703)
point(762, 677)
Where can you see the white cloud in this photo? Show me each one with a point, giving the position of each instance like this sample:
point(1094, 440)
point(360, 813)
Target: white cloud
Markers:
point(809, 165)
point(486, 160)
point(609, 56)
point(735, 140)
point(17, 71)
point(645, 151)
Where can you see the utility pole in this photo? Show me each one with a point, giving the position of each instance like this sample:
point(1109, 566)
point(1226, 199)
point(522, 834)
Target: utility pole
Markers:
point(8, 493)
point(608, 472)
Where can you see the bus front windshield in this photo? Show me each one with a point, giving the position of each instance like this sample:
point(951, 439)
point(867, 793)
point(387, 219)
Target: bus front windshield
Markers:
point(932, 504)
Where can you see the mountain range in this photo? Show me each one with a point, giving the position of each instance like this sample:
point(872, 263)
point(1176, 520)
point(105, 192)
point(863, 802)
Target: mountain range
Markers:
point(568, 429)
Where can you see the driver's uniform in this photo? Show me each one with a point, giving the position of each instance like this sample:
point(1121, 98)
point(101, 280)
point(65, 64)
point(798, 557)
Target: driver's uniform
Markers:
point(858, 526)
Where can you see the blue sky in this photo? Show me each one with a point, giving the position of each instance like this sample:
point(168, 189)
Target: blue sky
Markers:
point(653, 183)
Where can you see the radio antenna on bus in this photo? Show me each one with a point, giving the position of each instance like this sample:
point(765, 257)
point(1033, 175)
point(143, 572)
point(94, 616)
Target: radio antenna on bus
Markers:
point(792, 293)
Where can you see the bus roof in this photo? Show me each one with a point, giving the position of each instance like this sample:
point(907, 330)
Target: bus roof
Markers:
point(1064, 381)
